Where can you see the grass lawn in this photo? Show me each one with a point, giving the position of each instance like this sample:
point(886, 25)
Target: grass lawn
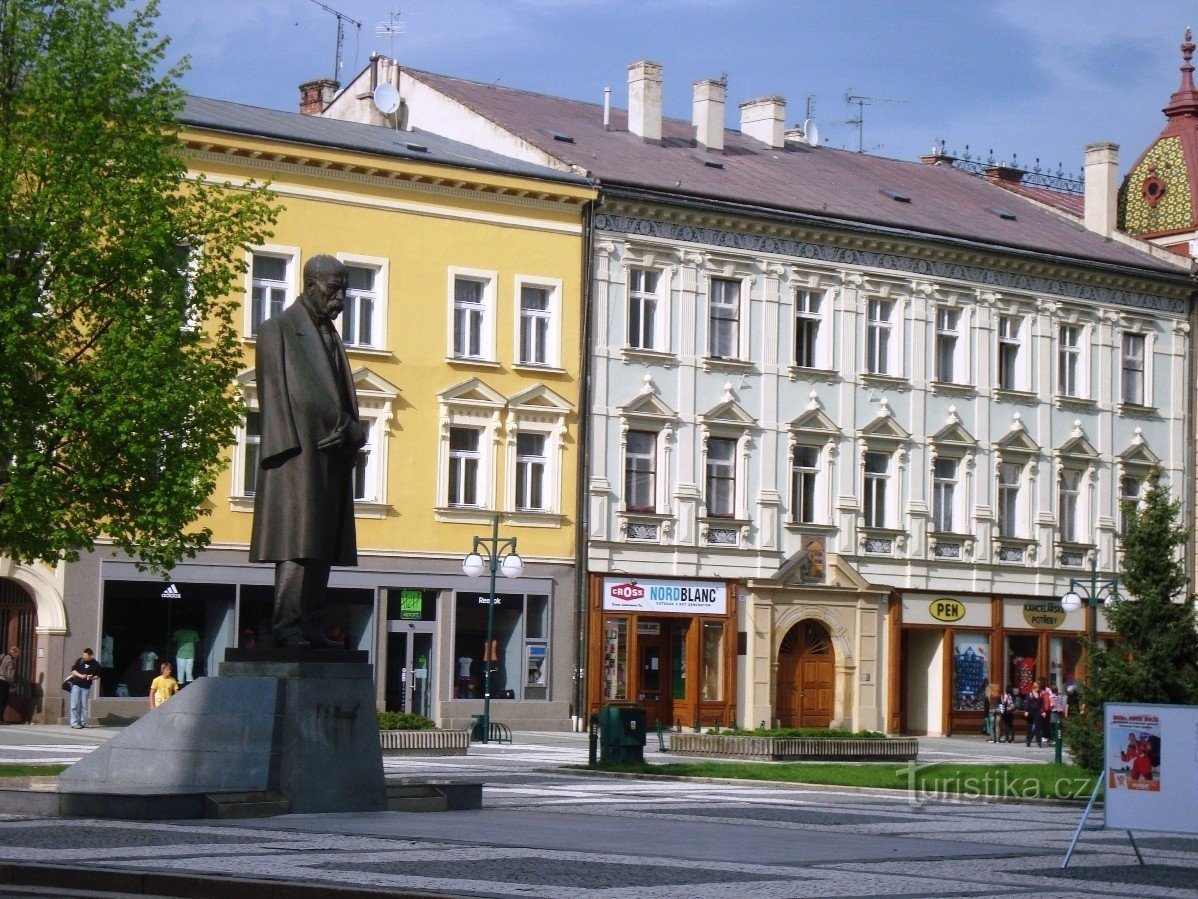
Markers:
point(1048, 781)
point(31, 770)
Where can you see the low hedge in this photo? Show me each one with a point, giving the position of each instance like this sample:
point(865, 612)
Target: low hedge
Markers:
point(404, 721)
point(803, 733)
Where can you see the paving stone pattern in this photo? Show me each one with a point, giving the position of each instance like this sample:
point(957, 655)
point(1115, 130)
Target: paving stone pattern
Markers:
point(553, 834)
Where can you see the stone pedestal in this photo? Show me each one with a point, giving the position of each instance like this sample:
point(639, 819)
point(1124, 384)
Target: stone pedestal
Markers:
point(297, 723)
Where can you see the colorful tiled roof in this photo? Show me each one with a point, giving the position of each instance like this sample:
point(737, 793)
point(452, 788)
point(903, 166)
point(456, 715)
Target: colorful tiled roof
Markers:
point(1157, 196)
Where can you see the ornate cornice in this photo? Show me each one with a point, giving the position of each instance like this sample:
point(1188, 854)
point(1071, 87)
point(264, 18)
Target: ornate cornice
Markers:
point(973, 274)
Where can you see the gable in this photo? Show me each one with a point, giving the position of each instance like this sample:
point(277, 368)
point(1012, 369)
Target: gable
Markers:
point(815, 421)
point(648, 405)
point(540, 399)
point(729, 412)
point(884, 428)
point(954, 434)
point(471, 393)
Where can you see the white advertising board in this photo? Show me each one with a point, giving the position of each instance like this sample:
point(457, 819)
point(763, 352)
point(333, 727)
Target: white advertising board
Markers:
point(1151, 767)
point(622, 594)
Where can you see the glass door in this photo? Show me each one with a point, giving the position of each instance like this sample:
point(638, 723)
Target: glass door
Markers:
point(422, 673)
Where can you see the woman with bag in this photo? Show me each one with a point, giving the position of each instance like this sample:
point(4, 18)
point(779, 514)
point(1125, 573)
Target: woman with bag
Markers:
point(85, 670)
point(993, 712)
point(1007, 712)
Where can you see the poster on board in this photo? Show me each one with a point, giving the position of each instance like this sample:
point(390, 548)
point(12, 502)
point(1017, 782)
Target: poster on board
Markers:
point(1151, 772)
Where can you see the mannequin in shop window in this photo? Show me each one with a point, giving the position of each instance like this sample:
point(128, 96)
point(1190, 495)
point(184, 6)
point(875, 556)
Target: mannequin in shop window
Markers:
point(465, 681)
point(492, 663)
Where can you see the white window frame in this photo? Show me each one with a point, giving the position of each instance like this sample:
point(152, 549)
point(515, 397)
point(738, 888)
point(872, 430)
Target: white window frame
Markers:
point(486, 342)
point(536, 411)
point(812, 474)
point(655, 456)
point(1014, 345)
point(1070, 487)
point(731, 476)
point(552, 315)
point(1141, 396)
point(819, 320)
point(959, 335)
point(378, 319)
point(739, 320)
point(484, 415)
point(875, 485)
point(457, 483)
point(660, 318)
point(947, 496)
point(1011, 522)
point(1071, 358)
point(531, 468)
point(879, 335)
point(290, 282)
point(1141, 479)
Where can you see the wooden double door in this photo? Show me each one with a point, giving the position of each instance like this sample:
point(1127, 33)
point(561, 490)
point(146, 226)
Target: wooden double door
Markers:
point(806, 676)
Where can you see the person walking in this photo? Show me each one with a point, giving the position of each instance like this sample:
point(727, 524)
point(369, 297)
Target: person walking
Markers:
point(85, 670)
point(992, 709)
point(1036, 716)
point(163, 687)
point(8, 677)
point(1007, 704)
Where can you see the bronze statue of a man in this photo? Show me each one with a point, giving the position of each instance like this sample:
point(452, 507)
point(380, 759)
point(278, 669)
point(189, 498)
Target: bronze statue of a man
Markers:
point(310, 435)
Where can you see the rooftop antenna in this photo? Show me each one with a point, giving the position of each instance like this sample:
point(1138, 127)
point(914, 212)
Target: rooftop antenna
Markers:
point(861, 102)
point(390, 28)
point(342, 18)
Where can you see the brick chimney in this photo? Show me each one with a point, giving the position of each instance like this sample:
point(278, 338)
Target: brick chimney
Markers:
point(1102, 187)
point(315, 96)
point(644, 100)
point(708, 113)
point(764, 120)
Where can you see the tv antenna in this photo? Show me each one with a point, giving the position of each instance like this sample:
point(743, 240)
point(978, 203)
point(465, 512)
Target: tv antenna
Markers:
point(342, 18)
point(390, 28)
point(861, 102)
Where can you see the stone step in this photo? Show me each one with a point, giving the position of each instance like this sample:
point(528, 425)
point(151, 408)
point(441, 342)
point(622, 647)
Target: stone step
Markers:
point(252, 804)
point(403, 797)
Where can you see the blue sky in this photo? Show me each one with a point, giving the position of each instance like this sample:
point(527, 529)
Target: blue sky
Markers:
point(1037, 79)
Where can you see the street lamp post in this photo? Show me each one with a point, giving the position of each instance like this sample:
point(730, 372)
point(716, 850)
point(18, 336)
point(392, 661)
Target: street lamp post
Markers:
point(1106, 589)
point(1094, 590)
point(496, 555)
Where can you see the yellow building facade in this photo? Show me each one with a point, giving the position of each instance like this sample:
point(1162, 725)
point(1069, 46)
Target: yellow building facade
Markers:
point(463, 326)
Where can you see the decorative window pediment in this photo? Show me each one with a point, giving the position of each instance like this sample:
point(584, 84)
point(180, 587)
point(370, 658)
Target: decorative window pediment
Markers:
point(539, 399)
point(954, 436)
point(1138, 455)
point(729, 412)
point(815, 423)
point(471, 393)
point(1016, 441)
point(1078, 449)
point(369, 384)
point(885, 428)
point(648, 406)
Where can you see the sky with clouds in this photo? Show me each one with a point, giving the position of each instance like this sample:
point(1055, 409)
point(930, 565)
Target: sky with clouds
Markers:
point(1034, 79)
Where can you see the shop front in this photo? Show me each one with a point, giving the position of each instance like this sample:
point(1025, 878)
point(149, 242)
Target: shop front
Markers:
point(425, 633)
point(668, 646)
point(956, 648)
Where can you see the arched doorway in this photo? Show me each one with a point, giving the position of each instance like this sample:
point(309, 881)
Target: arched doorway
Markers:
point(18, 621)
point(806, 675)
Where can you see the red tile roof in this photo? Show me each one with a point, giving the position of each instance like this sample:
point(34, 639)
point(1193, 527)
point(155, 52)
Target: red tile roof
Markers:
point(827, 183)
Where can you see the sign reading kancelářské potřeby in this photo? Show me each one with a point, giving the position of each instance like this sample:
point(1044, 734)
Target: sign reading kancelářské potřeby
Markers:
point(625, 594)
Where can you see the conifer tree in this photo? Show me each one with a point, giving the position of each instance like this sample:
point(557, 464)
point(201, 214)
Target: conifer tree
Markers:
point(1155, 658)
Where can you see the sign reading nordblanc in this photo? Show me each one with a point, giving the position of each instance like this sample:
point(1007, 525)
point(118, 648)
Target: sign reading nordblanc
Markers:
point(623, 594)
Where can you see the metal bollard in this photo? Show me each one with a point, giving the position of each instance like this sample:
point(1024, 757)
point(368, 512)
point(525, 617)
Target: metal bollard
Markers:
point(593, 742)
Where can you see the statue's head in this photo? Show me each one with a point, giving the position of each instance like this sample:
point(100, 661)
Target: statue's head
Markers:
point(325, 279)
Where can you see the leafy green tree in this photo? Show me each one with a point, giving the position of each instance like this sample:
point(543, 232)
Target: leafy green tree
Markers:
point(117, 274)
point(1155, 659)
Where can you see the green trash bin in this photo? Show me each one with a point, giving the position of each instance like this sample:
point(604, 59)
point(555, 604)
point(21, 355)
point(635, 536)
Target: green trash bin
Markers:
point(621, 734)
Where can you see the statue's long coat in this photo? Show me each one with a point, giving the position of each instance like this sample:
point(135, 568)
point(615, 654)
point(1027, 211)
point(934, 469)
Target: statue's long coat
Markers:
point(304, 506)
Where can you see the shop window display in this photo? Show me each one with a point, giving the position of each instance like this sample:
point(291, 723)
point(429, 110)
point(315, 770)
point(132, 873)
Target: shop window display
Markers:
point(615, 659)
point(712, 675)
point(1021, 664)
point(517, 653)
point(971, 671)
point(146, 623)
point(347, 618)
